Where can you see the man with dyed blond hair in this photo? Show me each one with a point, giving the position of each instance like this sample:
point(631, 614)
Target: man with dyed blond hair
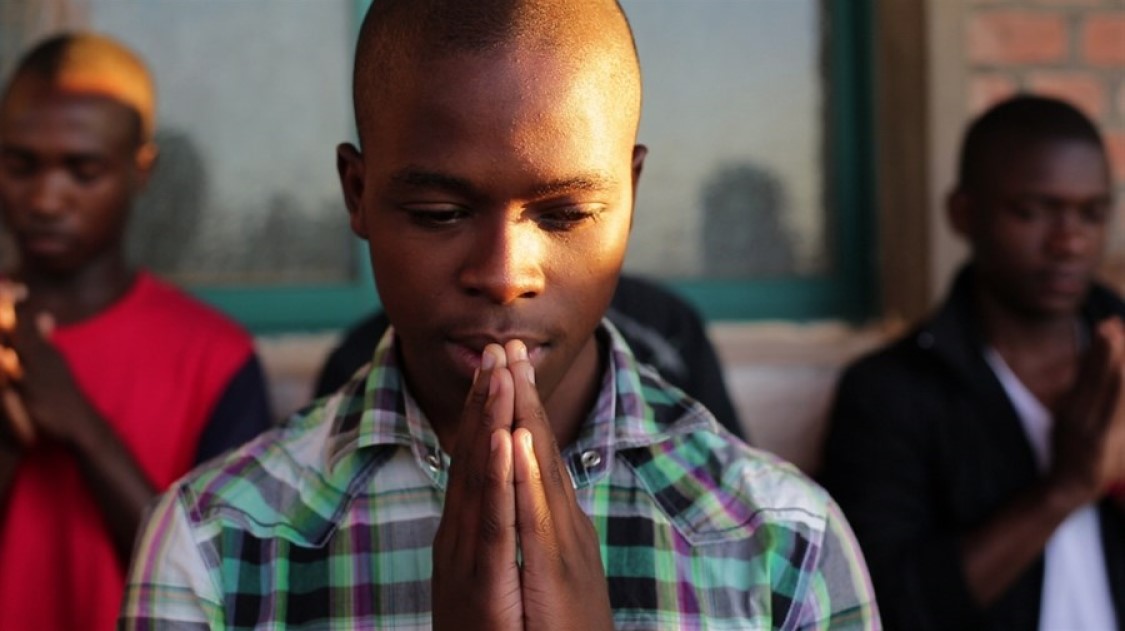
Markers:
point(114, 384)
point(504, 463)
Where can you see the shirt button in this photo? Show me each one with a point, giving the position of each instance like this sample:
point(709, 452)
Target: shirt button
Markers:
point(434, 461)
point(591, 459)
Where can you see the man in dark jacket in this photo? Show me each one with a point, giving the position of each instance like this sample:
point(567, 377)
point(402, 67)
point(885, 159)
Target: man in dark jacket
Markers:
point(979, 457)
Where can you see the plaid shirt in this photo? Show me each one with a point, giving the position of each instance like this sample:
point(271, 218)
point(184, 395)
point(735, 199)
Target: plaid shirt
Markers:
point(327, 522)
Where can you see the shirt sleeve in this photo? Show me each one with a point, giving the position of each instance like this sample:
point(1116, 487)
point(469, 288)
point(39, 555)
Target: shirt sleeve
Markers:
point(169, 585)
point(838, 594)
point(242, 412)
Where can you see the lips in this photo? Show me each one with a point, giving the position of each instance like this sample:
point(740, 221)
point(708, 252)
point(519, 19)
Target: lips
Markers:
point(466, 350)
point(45, 243)
point(1065, 282)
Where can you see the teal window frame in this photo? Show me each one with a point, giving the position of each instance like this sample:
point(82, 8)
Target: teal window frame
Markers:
point(847, 291)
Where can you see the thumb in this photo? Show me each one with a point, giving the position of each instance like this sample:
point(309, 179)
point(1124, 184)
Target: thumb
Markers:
point(45, 324)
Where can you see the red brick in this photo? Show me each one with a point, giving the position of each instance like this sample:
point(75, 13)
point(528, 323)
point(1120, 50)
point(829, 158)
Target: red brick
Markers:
point(1012, 36)
point(1115, 143)
point(986, 89)
point(1103, 38)
point(1121, 101)
point(1081, 89)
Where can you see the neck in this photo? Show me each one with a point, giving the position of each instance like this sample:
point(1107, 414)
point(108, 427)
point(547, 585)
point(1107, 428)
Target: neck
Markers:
point(74, 296)
point(1011, 331)
point(568, 405)
point(1043, 352)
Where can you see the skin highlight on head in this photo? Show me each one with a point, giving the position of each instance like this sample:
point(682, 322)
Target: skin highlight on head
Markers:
point(495, 188)
point(400, 37)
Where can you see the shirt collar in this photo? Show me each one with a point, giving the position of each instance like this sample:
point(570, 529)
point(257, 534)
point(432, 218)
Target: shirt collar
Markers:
point(634, 408)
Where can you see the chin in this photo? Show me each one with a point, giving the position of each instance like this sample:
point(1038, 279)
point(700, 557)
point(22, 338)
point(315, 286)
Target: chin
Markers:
point(1054, 309)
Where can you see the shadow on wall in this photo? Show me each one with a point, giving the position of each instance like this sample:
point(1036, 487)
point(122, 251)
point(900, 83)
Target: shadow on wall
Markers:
point(178, 231)
point(744, 234)
point(166, 216)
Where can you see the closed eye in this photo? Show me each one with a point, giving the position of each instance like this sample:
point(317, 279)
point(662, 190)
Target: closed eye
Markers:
point(567, 218)
point(17, 164)
point(1028, 210)
point(436, 216)
point(1096, 213)
point(87, 170)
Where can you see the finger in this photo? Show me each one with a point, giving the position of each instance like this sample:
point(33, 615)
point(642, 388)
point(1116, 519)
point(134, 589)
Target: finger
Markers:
point(12, 292)
point(1108, 393)
point(1089, 400)
point(475, 401)
point(471, 417)
point(482, 412)
point(45, 324)
point(18, 418)
point(10, 367)
point(481, 494)
point(531, 415)
point(7, 315)
point(469, 473)
point(1115, 404)
point(539, 539)
point(497, 532)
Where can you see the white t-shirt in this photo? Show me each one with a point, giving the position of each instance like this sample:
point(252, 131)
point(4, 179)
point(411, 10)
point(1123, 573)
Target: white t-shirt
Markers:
point(1076, 593)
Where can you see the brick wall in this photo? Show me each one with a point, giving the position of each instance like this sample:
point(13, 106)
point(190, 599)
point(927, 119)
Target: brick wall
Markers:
point(1072, 49)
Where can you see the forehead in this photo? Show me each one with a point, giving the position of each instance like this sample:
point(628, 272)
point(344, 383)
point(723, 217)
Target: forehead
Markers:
point(1063, 167)
point(538, 92)
point(42, 118)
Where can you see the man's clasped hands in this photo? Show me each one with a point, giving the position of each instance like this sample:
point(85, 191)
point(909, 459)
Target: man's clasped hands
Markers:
point(514, 549)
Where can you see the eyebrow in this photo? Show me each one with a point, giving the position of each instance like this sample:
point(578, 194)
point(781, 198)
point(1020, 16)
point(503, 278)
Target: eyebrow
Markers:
point(590, 183)
point(423, 179)
point(420, 178)
point(19, 151)
point(1105, 198)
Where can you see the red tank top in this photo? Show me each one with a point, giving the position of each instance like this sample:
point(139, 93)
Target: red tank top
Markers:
point(154, 365)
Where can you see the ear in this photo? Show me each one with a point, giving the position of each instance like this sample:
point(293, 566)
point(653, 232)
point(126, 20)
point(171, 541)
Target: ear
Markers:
point(144, 160)
point(958, 209)
point(349, 164)
point(639, 153)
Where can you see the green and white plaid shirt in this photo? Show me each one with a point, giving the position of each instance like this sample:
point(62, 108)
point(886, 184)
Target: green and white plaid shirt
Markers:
point(327, 522)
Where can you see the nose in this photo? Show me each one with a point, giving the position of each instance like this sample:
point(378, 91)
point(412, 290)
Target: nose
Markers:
point(48, 193)
point(507, 262)
point(1070, 236)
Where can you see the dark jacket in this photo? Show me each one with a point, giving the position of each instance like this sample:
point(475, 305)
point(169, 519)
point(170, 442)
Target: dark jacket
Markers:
point(924, 446)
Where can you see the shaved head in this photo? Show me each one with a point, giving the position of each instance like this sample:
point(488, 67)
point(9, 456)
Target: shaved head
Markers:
point(400, 37)
point(84, 64)
point(1009, 128)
